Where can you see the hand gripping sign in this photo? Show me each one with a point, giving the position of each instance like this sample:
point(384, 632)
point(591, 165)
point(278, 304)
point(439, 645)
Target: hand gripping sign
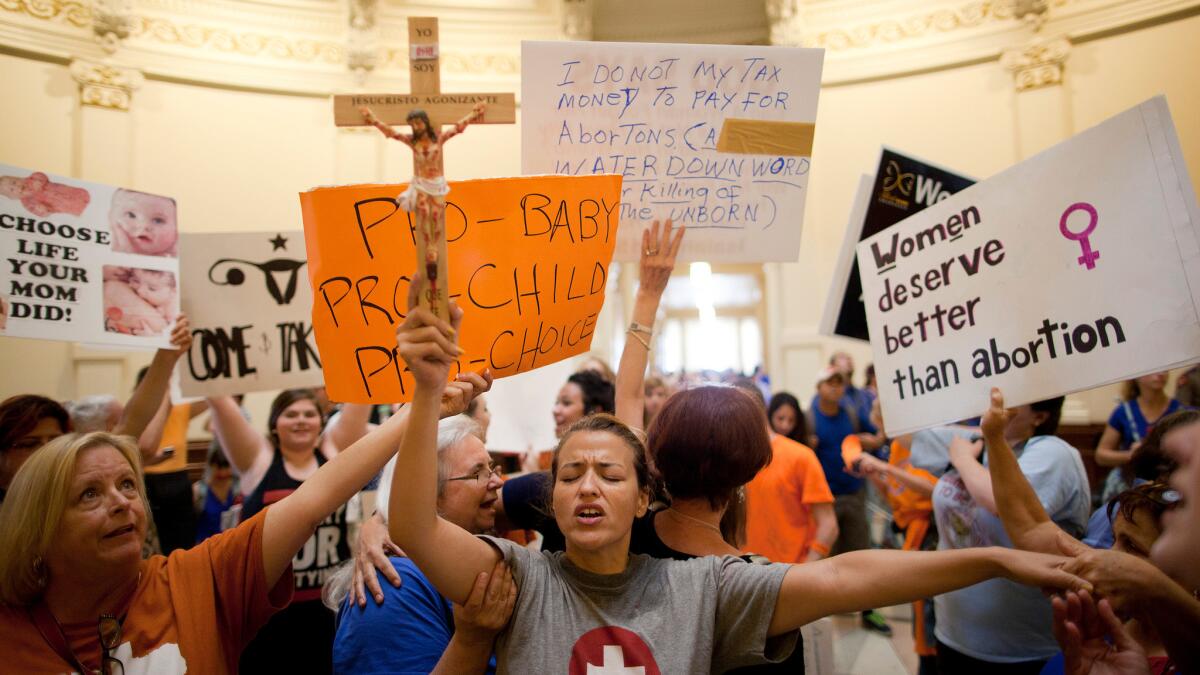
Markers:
point(528, 264)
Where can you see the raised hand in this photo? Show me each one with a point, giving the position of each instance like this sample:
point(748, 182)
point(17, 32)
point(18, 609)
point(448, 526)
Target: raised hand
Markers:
point(996, 418)
point(657, 261)
point(427, 343)
point(181, 334)
point(462, 390)
point(1093, 640)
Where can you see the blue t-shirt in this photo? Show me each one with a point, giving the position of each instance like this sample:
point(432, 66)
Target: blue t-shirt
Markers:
point(1099, 527)
point(830, 432)
point(861, 401)
point(998, 620)
point(406, 634)
point(1127, 418)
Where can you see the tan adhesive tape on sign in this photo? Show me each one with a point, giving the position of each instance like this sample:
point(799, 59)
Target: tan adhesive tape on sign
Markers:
point(766, 137)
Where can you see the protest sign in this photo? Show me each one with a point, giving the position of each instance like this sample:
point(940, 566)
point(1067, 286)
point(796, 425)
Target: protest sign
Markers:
point(901, 187)
point(528, 264)
point(1075, 268)
point(85, 262)
point(717, 138)
point(250, 304)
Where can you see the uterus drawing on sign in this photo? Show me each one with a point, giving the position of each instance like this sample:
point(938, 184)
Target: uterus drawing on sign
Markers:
point(232, 272)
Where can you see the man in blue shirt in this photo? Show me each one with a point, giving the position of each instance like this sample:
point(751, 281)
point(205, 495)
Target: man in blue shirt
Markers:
point(860, 400)
point(412, 629)
point(832, 418)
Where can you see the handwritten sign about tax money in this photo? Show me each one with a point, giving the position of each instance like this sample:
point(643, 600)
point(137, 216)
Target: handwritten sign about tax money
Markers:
point(1075, 268)
point(717, 138)
point(528, 264)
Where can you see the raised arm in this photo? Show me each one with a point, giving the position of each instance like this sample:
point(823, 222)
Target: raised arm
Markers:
point(370, 118)
point(1024, 517)
point(475, 115)
point(451, 557)
point(148, 396)
point(964, 456)
point(1108, 451)
point(292, 520)
point(151, 438)
point(352, 424)
point(656, 264)
point(863, 579)
point(248, 451)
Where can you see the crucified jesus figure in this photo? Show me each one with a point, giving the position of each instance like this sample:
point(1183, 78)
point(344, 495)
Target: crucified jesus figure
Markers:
point(426, 194)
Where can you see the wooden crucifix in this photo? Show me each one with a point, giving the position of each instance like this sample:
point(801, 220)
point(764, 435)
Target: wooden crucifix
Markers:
point(426, 110)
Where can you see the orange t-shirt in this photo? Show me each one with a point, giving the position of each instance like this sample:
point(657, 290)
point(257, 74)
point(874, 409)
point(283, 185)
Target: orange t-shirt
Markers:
point(779, 502)
point(192, 612)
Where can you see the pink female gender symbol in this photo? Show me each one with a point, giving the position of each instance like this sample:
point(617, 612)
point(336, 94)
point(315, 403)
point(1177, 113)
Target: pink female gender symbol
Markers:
point(1089, 256)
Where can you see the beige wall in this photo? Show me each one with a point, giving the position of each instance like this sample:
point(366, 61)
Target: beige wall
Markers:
point(235, 160)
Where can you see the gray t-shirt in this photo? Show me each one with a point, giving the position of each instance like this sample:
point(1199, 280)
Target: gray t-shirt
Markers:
point(930, 448)
point(999, 620)
point(667, 616)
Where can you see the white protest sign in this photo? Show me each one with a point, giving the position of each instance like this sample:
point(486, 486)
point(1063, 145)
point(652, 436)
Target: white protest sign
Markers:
point(249, 302)
point(657, 113)
point(85, 262)
point(1075, 268)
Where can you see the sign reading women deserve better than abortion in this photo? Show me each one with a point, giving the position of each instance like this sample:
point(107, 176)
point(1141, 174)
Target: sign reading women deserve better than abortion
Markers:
point(1075, 268)
point(85, 262)
point(717, 138)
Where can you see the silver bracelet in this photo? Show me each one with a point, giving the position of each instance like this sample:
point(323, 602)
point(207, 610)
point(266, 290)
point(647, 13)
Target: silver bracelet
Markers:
point(639, 328)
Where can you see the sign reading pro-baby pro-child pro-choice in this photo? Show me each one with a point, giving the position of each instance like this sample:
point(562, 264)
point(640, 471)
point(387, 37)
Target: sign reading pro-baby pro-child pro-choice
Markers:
point(1075, 268)
point(527, 259)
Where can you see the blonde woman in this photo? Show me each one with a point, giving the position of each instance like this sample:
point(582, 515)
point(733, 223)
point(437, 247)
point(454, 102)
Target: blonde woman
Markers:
point(76, 595)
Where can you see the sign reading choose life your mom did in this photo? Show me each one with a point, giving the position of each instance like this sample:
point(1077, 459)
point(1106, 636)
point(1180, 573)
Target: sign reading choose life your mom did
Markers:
point(250, 306)
point(1075, 268)
point(717, 138)
point(528, 265)
point(85, 262)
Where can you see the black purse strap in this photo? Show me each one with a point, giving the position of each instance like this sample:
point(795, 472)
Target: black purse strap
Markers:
point(52, 633)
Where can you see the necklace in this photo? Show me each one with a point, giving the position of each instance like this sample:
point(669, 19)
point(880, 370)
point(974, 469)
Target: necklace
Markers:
point(681, 514)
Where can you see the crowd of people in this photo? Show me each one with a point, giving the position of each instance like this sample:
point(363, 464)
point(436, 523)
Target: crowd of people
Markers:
point(676, 526)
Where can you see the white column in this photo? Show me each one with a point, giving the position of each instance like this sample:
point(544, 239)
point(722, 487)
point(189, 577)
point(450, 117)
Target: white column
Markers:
point(104, 141)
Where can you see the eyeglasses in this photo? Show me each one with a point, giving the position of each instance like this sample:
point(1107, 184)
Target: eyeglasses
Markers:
point(482, 475)
point(109, 629)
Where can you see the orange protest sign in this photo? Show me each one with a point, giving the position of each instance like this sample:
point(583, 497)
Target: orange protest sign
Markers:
point(528, 264)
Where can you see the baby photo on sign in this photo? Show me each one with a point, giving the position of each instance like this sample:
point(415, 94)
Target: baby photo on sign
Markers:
point(143, 223)
point(139, 301)
point(44, 197)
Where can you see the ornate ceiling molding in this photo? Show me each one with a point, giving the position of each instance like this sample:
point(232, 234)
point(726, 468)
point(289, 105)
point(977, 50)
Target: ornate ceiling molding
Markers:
point(312, 48)
point(912, 26)
point(104, 86)
point(861, 46)
point(76, 13)
point(1038, 64)
point(315, 47)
